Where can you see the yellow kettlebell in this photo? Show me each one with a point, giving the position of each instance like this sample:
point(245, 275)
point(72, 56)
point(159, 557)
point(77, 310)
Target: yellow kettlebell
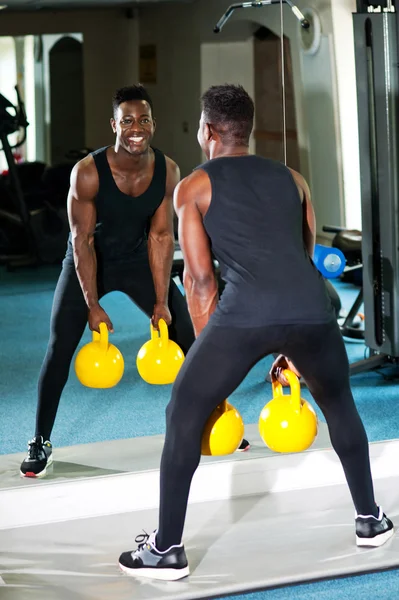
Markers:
point(223, 432)
point(288, 423)
point(159, 360)
point(99, 364)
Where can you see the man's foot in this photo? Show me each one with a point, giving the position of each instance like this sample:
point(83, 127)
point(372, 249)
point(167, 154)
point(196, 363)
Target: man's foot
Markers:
point(244, 446)
point(39, 457)
point(373, 531)
point(147, 561)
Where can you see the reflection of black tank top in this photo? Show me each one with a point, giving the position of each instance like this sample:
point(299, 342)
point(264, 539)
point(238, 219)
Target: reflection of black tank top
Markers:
point(254, 223)
point(122, 220)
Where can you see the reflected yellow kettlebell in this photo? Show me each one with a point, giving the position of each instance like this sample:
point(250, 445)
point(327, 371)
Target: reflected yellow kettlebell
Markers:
point(99, 364)
point(288, 423)
point(159, 360)
point(223, 432)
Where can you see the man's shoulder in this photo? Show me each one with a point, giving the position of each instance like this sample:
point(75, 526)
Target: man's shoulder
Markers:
point(85, 166)
point(99, 151)
point(195, 183)
point(172, 174)
point(84, 174)
point(171, 165)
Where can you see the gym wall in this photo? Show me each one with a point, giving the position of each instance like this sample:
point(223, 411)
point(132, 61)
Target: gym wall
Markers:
point(109, 55)
point(324, 84)
point(348, 156)
point(318, 91)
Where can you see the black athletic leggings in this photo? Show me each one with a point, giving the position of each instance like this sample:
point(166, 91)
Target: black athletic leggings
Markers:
point(217, 363)
point(69, 319)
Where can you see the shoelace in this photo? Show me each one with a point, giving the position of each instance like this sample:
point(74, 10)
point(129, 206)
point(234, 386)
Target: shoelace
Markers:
point(142, 539)
point(34, 450)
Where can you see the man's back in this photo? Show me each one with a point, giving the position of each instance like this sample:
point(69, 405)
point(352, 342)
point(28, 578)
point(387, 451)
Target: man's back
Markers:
point(255, 223)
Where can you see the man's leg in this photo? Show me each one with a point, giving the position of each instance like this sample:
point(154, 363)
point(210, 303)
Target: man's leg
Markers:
point(67, 324)
point(319, 354)
point(215, 366)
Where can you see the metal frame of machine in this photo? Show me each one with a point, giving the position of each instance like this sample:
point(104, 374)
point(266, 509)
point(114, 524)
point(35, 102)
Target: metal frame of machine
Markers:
point(376, 54)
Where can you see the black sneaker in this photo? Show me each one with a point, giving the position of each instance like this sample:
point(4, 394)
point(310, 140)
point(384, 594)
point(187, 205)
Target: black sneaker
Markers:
point(244, 446)
point(39, 457)
point(147, 561)
point(373, 531)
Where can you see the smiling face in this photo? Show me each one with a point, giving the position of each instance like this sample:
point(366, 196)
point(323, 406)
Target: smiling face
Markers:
point(134, 126)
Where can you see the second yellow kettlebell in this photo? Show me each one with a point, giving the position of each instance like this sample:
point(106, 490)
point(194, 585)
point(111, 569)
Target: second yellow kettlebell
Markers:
point(99, 364)
point(159, 360)
point(223, 432)
point(288, 423)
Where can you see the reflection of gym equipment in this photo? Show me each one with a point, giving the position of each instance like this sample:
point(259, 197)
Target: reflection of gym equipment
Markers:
point(33, 218)
point(10, 124)
point(99, 364)
point(376, 54)
point(349, 242)
point(159, 360)
point(223, 432)
point(288, 423)
point(258, 4)
point(329, 261)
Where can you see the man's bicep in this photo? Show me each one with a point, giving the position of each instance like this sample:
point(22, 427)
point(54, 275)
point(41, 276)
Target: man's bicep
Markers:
point(82, 216)
point(194, 243)
point(162, 220)
point(81, 205)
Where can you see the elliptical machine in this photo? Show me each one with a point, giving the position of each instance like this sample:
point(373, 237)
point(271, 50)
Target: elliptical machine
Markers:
point(35, 232)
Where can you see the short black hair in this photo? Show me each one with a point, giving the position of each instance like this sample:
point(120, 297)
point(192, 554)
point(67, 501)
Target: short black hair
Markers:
point(230, 109)
point(131, 92)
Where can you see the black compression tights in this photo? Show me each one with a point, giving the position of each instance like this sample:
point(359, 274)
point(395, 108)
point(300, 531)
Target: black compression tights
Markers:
point(69, 319)
point(216, 364)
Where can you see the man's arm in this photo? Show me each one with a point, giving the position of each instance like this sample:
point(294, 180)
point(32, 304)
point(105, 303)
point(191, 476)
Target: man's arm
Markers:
point(309, 218)
point(82, 221)
point(161, 244)
point(199, 277)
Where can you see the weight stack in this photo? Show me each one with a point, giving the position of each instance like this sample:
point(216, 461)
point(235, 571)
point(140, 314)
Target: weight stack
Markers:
point(376, 54)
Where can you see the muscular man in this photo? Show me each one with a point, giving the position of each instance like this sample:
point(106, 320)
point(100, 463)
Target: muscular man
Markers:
point(258, 218)
point(120, 208)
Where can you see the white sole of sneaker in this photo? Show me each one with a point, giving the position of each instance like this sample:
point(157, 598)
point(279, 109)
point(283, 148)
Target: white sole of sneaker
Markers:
point(162, 574)
point(375, 542)
point(42, 473)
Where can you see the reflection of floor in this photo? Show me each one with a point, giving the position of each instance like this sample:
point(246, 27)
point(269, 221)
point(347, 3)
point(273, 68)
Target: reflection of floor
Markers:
point(255, 520)
point(124, 456)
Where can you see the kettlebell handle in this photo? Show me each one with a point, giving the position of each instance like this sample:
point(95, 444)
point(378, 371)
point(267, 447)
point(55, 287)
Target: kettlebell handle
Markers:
point(295, 396)
point(162, 336)
point(102, 337)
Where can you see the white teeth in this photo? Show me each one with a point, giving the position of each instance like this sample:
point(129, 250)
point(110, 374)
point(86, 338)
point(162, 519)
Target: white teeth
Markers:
point(136, 139)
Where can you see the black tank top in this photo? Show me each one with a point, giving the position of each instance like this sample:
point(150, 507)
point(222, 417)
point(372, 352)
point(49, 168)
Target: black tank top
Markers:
point(122, 220)
point(254, 223)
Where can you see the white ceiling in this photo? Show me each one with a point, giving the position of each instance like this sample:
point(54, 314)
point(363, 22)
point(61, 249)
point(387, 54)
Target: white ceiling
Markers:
point(73, 4)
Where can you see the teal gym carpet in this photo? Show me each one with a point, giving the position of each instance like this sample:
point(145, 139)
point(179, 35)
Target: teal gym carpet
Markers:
point(134, 408)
